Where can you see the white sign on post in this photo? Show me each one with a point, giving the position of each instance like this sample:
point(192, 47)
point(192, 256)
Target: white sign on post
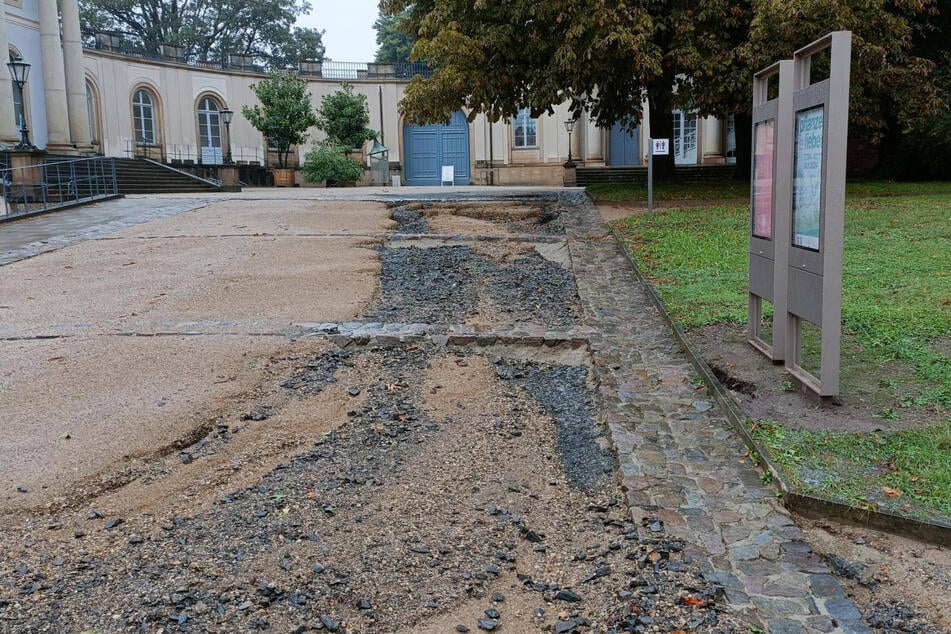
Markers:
point(661, 147)
point(448, 175)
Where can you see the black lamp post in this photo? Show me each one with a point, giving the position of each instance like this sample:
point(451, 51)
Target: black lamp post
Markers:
point(569, 126)
point(226, 116)
point(20, 71)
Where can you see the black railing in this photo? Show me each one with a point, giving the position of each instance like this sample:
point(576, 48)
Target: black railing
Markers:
point(120, 45)
point(49, 186)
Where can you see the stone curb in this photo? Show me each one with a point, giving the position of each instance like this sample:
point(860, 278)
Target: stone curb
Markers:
point(344, 335)
point(807, 505)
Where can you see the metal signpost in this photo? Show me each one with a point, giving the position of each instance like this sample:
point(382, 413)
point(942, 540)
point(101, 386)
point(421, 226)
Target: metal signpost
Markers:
point(769, 201)
point(798, 205)
point(660, 147)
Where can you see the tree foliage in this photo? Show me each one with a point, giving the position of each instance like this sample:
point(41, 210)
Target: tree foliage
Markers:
point(344, 117)
point(394, 37)
point(607, 58)
point(284, 114)
point(331, 163)
point(210, 31)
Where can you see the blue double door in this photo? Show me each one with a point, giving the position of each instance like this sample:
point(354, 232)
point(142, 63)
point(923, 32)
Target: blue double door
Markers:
point(427, 148)
point(624, 146)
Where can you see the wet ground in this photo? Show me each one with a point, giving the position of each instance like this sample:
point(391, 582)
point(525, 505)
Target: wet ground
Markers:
point(500, 438)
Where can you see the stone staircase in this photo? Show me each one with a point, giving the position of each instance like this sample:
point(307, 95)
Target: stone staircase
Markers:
point(638, 174)
point(136, 176)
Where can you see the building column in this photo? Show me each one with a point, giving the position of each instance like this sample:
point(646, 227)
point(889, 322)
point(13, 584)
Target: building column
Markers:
point(54, 79)
point(594, 141)
point(75, 77)
point(8, 126)
point(577, 151)
point(712, 141)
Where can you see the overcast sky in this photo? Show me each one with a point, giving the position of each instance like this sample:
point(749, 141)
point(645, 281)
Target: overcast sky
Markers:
point(348, 24)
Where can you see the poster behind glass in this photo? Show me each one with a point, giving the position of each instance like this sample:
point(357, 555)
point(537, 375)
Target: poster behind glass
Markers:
point(763, 180)
point(807, 184)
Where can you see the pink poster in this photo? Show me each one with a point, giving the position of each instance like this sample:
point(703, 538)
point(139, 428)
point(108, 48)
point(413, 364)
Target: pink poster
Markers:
point(763, 180)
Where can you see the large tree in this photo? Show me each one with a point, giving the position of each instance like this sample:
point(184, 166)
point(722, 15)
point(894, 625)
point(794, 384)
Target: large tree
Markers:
point(210, 31)
point(284, 114)
point(495, 56)
point(394, 37)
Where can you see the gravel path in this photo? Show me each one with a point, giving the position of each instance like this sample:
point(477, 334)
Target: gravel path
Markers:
point(450, 493)
point(451, 284)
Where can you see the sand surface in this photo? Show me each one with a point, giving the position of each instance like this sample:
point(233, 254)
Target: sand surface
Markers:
point(234, 274)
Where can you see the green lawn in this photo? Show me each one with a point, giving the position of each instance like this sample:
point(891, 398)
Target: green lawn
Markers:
point(732, 190)
point(906, 472)
point(896, 310)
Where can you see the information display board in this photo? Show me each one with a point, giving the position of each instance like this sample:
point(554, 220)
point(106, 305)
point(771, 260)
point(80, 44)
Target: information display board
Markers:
point(763, 153)
point(807, 184)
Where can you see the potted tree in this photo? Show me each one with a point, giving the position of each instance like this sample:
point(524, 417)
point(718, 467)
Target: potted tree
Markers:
point(344, 117)
point(283, 117)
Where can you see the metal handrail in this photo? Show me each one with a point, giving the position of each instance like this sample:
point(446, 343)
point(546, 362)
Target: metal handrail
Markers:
point(208, 170)
point(50, 186)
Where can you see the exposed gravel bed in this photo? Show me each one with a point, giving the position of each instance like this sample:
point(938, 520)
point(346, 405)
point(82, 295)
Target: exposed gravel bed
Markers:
point(442, 499)
point(449, 284)
point(534, 286)
point(587, 463)
point(435, 285)
point(409, 220)
point(535, 217)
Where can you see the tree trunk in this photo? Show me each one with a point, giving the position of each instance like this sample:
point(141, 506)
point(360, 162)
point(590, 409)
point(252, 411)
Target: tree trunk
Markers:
point(743, 132)
point(659, 101)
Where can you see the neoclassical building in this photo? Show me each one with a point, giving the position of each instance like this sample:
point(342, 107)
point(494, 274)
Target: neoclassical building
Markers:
point(113, 100)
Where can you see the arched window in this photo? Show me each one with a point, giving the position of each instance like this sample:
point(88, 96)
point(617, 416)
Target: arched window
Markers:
point(209, 131)
point(92, 111)
point(143, 116)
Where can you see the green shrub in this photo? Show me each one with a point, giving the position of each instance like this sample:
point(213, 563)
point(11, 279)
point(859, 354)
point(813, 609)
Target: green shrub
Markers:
point(330, 163)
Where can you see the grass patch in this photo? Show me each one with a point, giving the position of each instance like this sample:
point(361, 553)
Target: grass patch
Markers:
point(896, 301)
point(906, 472)
point(896, 317)
point(715, 191)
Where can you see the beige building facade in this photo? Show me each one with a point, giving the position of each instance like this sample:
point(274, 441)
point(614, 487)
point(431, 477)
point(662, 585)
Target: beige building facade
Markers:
point(104, 100)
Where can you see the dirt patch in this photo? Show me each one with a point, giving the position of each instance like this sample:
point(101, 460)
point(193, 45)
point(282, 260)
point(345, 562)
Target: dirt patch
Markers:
point(438, 496)
point(765, 392)
point(482, 218)
point(899, 585)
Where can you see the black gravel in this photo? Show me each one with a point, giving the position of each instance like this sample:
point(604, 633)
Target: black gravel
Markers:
point(318, 373)
point(563, 393)
point(535, 285)
point(409, 221)
point(442, 285)
point(892, 617)
point(436, 285)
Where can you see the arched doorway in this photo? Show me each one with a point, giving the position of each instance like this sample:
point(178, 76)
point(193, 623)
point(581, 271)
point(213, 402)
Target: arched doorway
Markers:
point(427, 148)
point(209, 131)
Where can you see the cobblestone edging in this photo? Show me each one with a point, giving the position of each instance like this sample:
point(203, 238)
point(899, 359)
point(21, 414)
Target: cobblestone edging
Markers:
point(680, 459)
